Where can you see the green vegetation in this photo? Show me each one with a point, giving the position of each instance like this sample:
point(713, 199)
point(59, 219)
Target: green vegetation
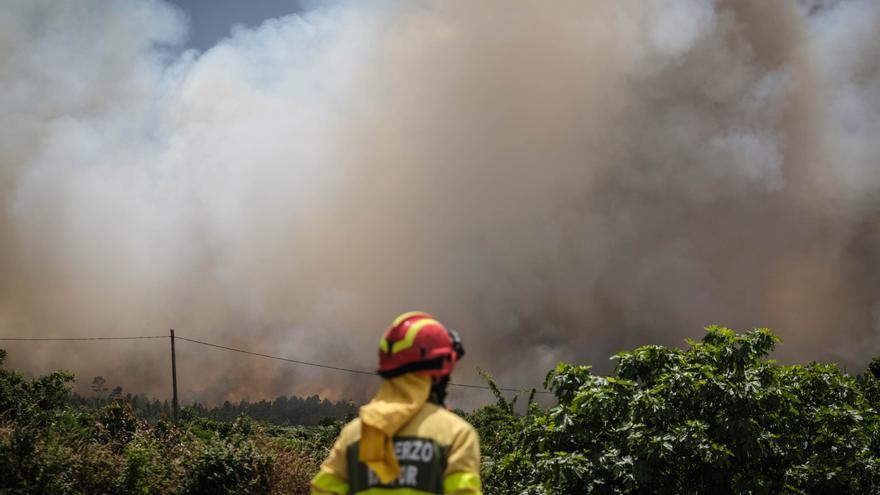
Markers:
point(283, 410)
point(717, 417)
point(48, 446)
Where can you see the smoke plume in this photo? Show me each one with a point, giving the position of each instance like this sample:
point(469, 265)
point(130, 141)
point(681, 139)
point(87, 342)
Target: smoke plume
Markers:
point(556, 180)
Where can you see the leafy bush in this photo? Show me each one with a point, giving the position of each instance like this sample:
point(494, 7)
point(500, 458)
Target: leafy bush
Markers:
point(30, 400)
point(48, 446)
point(232, 467)
point(115, 424)
point(716, 418)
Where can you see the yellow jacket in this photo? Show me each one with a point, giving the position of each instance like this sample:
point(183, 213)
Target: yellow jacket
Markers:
point(434, 452)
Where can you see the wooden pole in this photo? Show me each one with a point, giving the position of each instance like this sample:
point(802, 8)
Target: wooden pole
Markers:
point(173, 380)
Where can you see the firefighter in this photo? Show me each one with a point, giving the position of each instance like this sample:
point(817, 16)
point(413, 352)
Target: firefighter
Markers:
point(405, 441)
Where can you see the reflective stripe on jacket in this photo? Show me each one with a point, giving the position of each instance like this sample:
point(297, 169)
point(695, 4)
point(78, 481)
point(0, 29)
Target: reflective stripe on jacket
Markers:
point(438, 452)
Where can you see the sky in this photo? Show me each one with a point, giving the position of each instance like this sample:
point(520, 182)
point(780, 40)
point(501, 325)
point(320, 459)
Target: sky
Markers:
point(558, 181)
point(211, 20)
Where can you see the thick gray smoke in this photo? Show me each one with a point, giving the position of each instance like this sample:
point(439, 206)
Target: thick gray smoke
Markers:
point(557, 180)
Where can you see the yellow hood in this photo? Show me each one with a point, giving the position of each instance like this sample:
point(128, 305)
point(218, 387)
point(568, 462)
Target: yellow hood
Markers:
point(397, 400)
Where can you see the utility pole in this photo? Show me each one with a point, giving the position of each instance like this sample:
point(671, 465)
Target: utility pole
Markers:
point(173, 380)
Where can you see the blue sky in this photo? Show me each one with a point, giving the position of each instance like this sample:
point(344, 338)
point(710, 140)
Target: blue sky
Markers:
point(211, 20)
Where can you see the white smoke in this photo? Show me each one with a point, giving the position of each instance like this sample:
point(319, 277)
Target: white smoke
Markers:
point(557, 181)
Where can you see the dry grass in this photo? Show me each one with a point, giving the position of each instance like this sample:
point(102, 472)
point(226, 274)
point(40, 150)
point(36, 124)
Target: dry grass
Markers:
point(293, 466)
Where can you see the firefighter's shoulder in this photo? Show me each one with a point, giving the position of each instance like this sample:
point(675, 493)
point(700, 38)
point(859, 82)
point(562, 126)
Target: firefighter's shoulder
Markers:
point(351, 432)
point(437, 423)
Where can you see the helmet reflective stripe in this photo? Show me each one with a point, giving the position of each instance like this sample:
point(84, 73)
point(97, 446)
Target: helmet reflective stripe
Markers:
point(402, 318)
point(383, 343)
point(407, 341)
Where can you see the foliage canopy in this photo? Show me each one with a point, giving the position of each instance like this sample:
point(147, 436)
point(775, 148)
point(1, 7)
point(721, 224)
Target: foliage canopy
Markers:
point(718, 417)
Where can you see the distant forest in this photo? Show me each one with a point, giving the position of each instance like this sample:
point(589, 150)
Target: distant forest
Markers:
point(306, 411)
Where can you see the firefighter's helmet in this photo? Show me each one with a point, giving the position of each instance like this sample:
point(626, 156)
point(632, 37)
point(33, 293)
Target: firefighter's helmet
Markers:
point(416, 342)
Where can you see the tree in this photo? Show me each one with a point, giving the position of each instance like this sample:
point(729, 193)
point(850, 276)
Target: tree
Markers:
point(99, 386)
point(115, 393)
point(717, 418)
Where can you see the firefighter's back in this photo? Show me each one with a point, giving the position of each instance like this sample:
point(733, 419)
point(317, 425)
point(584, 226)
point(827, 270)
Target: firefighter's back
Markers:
point(438, 453)
point(433, 445)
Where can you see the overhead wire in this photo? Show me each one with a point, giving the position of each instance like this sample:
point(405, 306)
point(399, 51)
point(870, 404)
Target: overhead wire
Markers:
point(338, 368)
point(43, 339)
point(295, 361)
point(252, 353)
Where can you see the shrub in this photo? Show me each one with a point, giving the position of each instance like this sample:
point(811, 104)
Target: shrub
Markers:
point(230, 467)
point(716, 418)
point(115, 424)
point(31, 400)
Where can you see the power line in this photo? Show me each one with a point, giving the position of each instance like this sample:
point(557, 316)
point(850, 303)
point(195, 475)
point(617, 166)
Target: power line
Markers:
point(45, 339)
point(295, 361)
point(503, 389)
point(338, 368)
point(252, 353)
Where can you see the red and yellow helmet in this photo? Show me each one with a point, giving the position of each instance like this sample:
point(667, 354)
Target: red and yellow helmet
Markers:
point(416, 342)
